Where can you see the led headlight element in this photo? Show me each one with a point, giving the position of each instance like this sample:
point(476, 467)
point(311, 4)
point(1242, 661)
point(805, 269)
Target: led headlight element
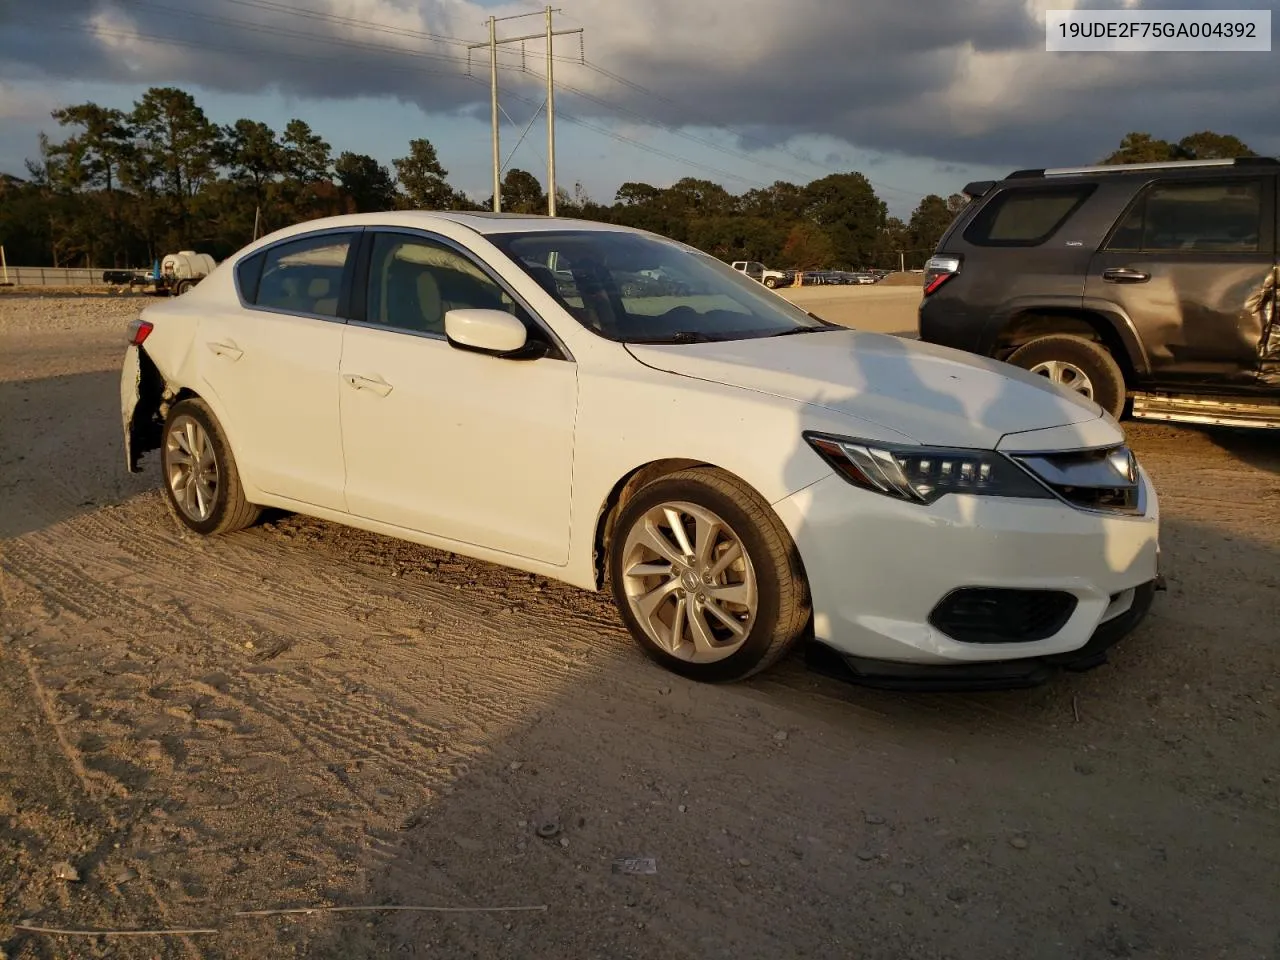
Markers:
point(925, 474)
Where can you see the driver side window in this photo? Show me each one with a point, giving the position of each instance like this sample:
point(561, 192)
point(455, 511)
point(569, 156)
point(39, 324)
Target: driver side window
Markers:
point(414, 282)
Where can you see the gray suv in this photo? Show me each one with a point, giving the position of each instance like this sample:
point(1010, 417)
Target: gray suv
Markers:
point(1150, 287)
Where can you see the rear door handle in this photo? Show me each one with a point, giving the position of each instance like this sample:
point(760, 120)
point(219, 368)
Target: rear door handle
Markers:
point(376, 384)
point(1125, 275)
point(227, 349)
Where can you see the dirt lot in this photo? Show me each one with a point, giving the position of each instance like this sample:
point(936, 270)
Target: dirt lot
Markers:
point(302, 715)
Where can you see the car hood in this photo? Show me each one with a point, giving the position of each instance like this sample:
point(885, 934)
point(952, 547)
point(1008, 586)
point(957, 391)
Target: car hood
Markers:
point(932, 394)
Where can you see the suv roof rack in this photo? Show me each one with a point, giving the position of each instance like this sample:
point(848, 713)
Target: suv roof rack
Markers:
point(1130, 167)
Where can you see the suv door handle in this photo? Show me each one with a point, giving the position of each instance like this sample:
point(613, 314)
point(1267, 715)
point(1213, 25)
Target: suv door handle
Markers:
point(1125, 275)
point(227, 349)
point(376, 384)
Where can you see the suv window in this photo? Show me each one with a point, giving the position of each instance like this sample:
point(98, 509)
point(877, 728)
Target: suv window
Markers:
point(1025, 218)
point(1194, 216)
point(414, 282)
point(304, 276)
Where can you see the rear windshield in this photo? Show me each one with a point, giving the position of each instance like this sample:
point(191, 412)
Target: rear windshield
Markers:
point(1025, 218)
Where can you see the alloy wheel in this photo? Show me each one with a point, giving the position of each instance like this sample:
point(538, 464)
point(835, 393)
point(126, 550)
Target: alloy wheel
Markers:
point(191, 468)
point(1066, 374)
point(689, 582)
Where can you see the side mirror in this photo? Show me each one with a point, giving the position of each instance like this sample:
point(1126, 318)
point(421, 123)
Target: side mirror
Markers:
point(493, 332)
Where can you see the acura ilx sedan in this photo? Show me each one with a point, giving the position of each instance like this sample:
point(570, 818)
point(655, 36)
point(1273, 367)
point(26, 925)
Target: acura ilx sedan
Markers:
point(739, 473)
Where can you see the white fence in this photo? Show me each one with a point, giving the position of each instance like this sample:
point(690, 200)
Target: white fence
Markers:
point(54, 276)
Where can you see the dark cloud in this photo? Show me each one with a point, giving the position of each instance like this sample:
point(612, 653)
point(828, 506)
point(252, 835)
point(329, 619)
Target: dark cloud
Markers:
point(959, 83)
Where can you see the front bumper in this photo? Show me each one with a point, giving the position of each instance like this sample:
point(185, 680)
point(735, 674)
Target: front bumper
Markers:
point(878, 567)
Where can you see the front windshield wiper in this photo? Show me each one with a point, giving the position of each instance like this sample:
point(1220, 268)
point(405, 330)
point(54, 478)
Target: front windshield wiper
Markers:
point(680, 336)
point(795, 330)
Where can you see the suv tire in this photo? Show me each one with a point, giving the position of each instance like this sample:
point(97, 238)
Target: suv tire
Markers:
point(770, 282)
point(1079, 364)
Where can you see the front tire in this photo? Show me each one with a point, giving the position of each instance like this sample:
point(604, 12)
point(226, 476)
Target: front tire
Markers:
point(201, 481)
point(770, 282)
point(1078, 364)
point(705, 576)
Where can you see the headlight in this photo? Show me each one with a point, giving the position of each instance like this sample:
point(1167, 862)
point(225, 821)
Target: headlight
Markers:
point(925, 474)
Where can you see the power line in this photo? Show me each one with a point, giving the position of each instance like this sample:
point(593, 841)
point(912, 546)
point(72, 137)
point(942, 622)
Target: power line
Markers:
point(276, 6)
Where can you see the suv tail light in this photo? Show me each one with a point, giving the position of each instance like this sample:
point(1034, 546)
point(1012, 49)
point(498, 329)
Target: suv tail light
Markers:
point(938, 271)
point(139, 330)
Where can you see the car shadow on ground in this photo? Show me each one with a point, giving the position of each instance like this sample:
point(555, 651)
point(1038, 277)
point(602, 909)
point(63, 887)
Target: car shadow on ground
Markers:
point(61, 450)
point(794, 815)
point(1259, 448)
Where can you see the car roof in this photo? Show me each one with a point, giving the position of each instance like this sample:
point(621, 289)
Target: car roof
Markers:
point(480, 221)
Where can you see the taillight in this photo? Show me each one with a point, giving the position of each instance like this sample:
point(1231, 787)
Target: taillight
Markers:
point(938, 271)
point(139, 330)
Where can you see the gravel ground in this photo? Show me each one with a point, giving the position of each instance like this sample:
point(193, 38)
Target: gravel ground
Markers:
point(302, 715)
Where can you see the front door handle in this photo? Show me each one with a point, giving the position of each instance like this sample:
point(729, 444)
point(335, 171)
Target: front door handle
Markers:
point(226, 349)
point(376, 384)
point(1125, 275)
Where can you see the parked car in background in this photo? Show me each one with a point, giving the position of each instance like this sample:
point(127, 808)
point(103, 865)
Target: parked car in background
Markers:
point(1150, 285)
point(761, 274)
point(719, 460)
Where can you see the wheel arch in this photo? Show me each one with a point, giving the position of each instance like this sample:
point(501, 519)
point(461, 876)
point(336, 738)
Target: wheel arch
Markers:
point(633, 481)
point(1111, 329)
point(622, 490)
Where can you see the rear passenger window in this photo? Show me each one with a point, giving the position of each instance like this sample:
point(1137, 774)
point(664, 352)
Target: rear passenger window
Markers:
point(1025, 218)
point(304, 276)
point(1194, 217)
point(248, 273)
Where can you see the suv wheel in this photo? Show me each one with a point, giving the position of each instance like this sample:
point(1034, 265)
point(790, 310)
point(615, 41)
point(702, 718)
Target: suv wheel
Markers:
point(770, 282)
point(1078, 364)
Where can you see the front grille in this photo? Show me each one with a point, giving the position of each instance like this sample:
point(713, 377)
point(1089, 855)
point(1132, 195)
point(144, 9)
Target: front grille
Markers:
point(998, 615)
point(1104, 479)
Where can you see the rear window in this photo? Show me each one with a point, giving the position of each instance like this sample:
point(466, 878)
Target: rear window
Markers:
point(248, 272)
point(1025, 218)
point(1194, 217)
point(304, 275)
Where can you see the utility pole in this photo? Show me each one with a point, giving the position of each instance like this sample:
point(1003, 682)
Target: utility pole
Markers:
point(493, 111)
point(551, 121)
point(493, 44)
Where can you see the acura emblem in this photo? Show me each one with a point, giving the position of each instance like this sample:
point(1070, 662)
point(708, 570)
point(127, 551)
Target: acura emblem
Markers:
point(1122, 462)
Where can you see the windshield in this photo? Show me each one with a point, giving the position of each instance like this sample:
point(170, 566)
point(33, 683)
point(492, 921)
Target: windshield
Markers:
point(640, 289)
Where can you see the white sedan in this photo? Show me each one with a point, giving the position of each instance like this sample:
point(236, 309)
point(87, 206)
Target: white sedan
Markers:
point(740, 473)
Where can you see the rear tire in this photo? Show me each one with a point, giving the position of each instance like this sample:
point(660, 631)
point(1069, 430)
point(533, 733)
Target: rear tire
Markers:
point(1079, 364)
point(181, 287)
point(201, 481)
point(739, 604)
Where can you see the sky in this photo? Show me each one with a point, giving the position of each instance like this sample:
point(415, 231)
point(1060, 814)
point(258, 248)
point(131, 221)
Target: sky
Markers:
point(921, 97)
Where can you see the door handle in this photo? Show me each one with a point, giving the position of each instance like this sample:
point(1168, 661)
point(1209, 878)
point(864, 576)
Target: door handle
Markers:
point(1125, 275)
point(376, 384)
point(227, 349)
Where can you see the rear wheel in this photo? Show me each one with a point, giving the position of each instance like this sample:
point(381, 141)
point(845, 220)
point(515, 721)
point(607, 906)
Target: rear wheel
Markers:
point(1084, 366)
point(201, 482)
point(706, 577)
point(181, 287)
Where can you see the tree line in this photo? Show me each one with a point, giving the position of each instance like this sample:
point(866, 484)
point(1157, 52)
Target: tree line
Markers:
point(121, 188)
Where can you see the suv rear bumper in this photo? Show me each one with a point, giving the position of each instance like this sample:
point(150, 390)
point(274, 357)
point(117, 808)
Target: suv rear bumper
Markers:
point(944, 321)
